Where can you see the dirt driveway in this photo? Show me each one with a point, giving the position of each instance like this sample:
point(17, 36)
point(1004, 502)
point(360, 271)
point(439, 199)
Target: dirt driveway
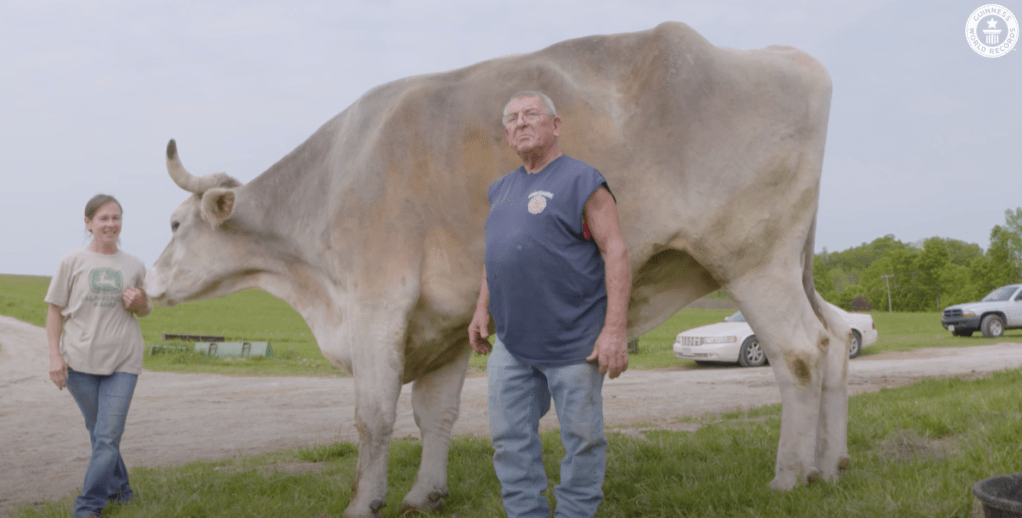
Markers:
point(177, 418)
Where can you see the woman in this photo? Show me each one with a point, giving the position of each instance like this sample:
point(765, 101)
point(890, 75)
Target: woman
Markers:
point(96, 346)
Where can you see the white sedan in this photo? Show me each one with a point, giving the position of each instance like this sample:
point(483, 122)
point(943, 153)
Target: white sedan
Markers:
point(732, 340)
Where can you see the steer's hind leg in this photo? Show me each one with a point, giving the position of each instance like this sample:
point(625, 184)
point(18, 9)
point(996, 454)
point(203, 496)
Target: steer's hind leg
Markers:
point(832, 435)
point(775, 304)
point(435, 400)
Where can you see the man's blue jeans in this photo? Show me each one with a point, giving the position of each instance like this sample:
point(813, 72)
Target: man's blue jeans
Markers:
point(104, 402)
point(519, 395)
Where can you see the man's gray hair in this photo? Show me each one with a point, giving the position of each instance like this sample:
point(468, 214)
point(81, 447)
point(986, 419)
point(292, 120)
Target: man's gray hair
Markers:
point(548, 105)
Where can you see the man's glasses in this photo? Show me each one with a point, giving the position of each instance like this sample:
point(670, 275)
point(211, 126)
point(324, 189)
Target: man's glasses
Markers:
point(529, 117)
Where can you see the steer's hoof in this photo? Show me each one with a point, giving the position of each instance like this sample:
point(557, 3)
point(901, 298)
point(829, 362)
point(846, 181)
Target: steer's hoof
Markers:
point(438, 496)
point(786, 483)
point(813, 475)
point(407, 510)
point(374, 510)
point(434, 502)
point(843, 462)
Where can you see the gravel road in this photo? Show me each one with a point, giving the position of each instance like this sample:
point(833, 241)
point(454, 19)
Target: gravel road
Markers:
point(178, 418)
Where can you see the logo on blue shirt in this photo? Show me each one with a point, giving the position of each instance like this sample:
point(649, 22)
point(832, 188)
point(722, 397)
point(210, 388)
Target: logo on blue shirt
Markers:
point(537, 201)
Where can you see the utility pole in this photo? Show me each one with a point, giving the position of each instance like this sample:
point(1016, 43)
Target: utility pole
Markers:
point(888, 283)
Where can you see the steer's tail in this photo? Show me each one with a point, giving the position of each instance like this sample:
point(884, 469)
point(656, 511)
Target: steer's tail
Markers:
point(807, 273)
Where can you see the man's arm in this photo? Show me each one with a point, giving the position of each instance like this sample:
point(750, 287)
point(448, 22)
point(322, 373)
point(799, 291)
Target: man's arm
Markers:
point(611, 349)
point(479, 329)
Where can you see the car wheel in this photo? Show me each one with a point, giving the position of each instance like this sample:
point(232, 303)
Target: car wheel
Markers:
point(853, 351)
point(992, 326)
point(752, 354)
point(962, 333)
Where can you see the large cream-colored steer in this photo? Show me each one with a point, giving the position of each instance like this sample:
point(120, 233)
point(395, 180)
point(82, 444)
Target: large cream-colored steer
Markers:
point(373, 229)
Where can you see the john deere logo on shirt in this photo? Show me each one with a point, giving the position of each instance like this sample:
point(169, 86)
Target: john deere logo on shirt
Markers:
point(537, 201)
point(105, 280)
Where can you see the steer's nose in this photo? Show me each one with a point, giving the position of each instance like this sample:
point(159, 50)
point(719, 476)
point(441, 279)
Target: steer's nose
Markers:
point(155, 288)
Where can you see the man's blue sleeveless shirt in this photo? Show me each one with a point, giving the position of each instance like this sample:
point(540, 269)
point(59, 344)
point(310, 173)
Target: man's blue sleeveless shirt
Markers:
point(546, 279)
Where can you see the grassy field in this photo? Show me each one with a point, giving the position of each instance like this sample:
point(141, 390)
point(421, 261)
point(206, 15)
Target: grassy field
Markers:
point(250, 315)
point(256, 316)
point(916, 452)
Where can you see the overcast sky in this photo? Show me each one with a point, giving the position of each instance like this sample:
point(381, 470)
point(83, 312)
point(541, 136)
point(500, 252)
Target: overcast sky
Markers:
point(924, 135)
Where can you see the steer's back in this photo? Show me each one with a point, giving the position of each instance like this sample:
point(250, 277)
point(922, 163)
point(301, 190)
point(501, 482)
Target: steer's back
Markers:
point(713, 154)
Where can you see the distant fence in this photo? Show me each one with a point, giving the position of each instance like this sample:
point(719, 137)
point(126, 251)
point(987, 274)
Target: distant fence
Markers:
point(194, 338)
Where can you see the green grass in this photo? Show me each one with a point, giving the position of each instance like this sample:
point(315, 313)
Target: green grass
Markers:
point(895, 332)
point(256, 316)
point(907, 331)
point(916, 452)
point(656, 347)
point(21, 297)
point(249, 315)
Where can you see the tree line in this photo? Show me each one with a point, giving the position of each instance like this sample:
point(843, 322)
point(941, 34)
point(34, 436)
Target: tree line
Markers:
point(927, 276)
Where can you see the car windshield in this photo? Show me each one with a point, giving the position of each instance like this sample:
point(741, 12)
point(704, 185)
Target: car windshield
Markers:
point(737, 317)
point(1000, 294)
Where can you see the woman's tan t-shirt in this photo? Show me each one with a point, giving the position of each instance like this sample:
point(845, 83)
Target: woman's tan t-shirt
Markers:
point(99, 336)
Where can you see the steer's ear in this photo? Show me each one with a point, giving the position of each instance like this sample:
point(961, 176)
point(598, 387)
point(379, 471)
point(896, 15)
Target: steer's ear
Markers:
point(217, 205)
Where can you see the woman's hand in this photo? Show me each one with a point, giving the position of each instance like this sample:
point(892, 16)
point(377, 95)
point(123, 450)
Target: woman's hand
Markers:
point(135, 301)
point(58, 371)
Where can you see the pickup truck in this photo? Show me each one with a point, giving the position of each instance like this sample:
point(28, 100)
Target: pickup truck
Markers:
point(1000, 310)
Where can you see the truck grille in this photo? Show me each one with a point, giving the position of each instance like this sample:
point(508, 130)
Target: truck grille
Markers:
point(952, 313)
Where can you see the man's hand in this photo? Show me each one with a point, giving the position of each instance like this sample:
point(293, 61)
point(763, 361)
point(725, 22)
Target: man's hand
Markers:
point(479, 329)
point(611, 351)
point(479, 332)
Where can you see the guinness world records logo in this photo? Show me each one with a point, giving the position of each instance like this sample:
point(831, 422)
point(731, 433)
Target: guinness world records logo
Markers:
point(992, 31)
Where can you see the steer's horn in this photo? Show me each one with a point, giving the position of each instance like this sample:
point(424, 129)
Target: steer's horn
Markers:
point(190, 182)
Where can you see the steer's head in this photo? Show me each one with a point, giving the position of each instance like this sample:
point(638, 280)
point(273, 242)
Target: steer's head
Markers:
point(200, 260)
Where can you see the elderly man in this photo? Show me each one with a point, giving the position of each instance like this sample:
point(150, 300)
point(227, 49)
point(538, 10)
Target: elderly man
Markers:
point(557, 281)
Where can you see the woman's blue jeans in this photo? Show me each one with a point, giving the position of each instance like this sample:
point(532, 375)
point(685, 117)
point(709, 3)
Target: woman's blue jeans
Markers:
point(104, 402)
point(519, 395)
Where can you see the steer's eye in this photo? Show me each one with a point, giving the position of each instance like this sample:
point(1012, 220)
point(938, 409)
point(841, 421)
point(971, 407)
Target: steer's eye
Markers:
point(174, 225)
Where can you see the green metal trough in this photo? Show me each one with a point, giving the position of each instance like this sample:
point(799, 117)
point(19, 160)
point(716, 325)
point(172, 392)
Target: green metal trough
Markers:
point(235, 349)
point(163, 348)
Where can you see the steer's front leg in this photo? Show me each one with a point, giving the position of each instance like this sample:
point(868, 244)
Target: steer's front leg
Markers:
point(376, 367)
